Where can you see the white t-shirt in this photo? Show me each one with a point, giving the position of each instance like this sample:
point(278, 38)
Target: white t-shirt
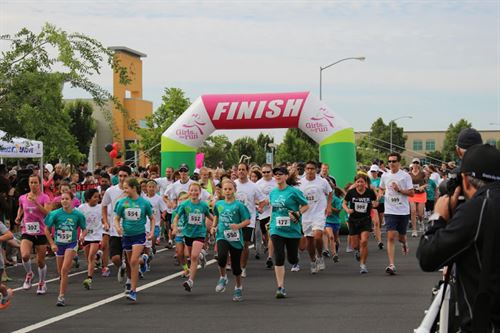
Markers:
point(395, 202)
point(163, 183)
point(158, 206)
point(93, 219)
point(111, 196)
point(172, 192)
point(249, 194)
point(315, 191)
point(266, 186)
point(435, 177)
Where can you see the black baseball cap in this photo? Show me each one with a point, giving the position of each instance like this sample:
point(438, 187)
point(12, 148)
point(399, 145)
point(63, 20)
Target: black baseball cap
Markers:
point(280, 169)
point(183, 167)
point(482, 161)
point(468, 137)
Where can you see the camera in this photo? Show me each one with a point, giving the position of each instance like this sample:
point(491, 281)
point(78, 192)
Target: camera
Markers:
point(454, 181)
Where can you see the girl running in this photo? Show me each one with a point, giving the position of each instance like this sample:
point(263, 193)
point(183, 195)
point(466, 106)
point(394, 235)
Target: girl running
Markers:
point(65, 221)
point(5, 293)
point(332, 226)
point(178, 227)
point(230, 217)
point(133, 210)
point(197, 214)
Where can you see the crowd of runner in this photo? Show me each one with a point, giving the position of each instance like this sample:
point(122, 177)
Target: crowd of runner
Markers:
point(119, 215)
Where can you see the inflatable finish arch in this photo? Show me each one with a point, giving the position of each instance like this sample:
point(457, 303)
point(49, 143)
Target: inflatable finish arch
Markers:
point(259, 111)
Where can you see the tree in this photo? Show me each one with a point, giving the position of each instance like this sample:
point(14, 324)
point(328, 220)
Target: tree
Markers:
point(366, 152)
point(216, 149)
point(83, 126)
point(297, 147)
point(263, 140)
point(244, 146)
point(174, 104)
point(450, 139)
point(435, 157)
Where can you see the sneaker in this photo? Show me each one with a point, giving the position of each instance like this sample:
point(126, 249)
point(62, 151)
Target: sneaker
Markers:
point(348, 249)
point(221, 285)
point(144, 266)
point(391, 270)
point(170, 245)
point(269, 263)
point(27, 281)
point(321, 264)
point(326, 253)
point(60, 301)
point(5, 301)
point(356, 255)
point(237, 295)
point(128, 287)
point(404, 248)
point(41, 288)
point(105, 272)
point(121, 272)
point(314, 267)
point(295, 268)
point(188, 285)
point(243, 272)
point(77, 261)
point(228, 267)
point(363, 269)
point(132, 296)
point(87, 283)
point(335, 258)
point(414, 233)
point(202, 260)
point(280, 292)
point(257, 256)
point(380, 246)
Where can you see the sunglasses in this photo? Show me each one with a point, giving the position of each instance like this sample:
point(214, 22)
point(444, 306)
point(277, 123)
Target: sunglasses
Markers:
point(266, 171)
point(279, 174)
point(416, 162)
point(183, 170)
point(392, 161)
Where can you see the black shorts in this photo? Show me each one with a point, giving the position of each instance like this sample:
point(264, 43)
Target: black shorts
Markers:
point(381, 207)
point(263, 223)
point(36, 240)
point(115, 246)
point(429, 205)
point(85, 243)
point(357, 226)
point(248, 234)
point(189, 241)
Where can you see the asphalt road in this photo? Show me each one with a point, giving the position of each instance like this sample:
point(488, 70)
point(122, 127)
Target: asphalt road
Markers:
point(337, 299)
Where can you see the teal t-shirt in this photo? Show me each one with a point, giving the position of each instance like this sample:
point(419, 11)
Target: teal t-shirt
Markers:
point(334, 218)
point(227, 214)
point(376, 184)
point(431, 190)
point(133, 214)
point(65, 225)
point(194, 215)
point(282, 201)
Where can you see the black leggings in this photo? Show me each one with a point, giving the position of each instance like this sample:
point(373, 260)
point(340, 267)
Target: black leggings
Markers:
point(223, 248)
point(292, 250)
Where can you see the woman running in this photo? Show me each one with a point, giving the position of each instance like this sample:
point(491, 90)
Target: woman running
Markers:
point(230, 217)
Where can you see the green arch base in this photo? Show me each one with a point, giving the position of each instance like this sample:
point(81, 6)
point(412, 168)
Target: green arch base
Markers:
point(174, 154)
point(339, 152)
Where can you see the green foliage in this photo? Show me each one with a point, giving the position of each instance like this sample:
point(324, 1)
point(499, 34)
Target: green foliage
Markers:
point(366, 153)
point(450, 139)
point(244, 146)
point(83, 126)
point(435, 157)
point(263, 140)
point(217, 149)
point(174, 104)
point(297, 147)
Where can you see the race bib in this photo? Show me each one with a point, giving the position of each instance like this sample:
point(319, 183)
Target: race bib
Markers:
point(232, 235)
point(153, 212)
point(195, 218)
point(360, 207)
point(283, 221)
point(90, 231)
point(394, 199)
point(64, 236)
point(32, 228)
point(132, 214)
point(311, 197)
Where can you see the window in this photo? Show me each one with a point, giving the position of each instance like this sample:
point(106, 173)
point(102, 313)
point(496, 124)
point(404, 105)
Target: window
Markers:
point(492, 142)
point(130, 154)
point(417, 145)
point(430, 145)
point(142, 124)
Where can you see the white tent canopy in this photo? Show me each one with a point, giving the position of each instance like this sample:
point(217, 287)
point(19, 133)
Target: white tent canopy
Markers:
point(20, 148)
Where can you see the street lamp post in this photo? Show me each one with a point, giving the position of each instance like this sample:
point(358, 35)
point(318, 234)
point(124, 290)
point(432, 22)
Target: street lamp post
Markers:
point(336, 62)
point(390, 125)
point(273, 146)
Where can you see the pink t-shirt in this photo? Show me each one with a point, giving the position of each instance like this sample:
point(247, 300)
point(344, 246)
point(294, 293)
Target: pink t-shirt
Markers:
point(75, 203)
point(33, 219)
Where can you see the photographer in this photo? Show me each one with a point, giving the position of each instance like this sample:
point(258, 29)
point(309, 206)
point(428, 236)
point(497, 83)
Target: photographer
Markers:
point(470, 237)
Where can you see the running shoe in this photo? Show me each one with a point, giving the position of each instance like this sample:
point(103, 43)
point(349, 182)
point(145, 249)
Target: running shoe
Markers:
point(391, 270)
point(121, 272)
point(77, 261)
point(280, 292)
point(169, 245)
point(41, 288)
point(87, 283)
point(314, 267)
point(404, 248)
point(335, 258)
point(269, 263)
point(348, 249)
point(237, 295)
point(128, 287)
point(27, 281)
point(144, 265)
point(5, 300)
point(414, 233)
point(228, 267)
point(356, 255)
point(243, 272)
point(295, 268)
point(188, 285)
point(60, 301)
point(203, 260)
point(326, 253)
point(257, 256)
point(363, 269)
point(132, 296)
point(105, 272)
point(380, 246)
point(321, 264)
point(221, 285)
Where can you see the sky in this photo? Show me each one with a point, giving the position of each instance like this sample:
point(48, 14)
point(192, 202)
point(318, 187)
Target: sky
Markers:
point(436, 61)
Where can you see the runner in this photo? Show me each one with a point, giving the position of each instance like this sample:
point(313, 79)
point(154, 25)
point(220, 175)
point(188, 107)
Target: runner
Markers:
point(248, 194)
point(65, 221)
point(358, 203)
point(316, 190)
point(180, 247)
point(196, 213)
point(266, 184)
point(376, 217)
point(288, 204)
point(332, 226)
point(417, 201)
point(5, 292)
point(397, 187)
point(230, 218)
point(93, 218)
point(133, 211)
point(33, 207)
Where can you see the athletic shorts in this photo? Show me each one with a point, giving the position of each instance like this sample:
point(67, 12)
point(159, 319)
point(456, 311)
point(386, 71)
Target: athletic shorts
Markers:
point(356, 227)
point(248, 234)
point(85, 243)
point(115, 246)
point(189, 241)
point(334, 226)
point(418, 198)
point(129, 241)
point(397, 223)
point(179, 239)
point(36, 240)
point(308, 227)
point(61, 248)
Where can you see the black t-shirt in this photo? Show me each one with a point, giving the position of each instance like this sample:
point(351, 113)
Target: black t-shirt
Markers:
point(361, 203)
